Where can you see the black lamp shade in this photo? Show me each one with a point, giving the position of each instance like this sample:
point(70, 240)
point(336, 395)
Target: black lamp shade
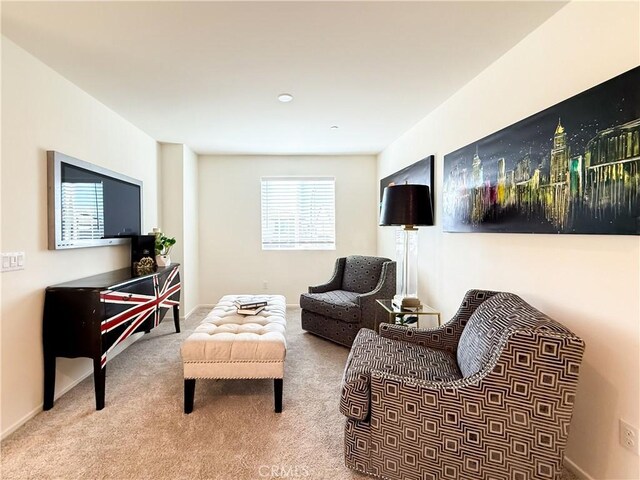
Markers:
point(406, 205)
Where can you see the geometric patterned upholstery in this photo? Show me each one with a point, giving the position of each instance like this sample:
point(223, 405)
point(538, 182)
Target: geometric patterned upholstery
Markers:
point(491, 321)
point(361, 274)
point(508, 420)
point(448, 336)
point(338, 309)
point(373, 352)
point(338, 304)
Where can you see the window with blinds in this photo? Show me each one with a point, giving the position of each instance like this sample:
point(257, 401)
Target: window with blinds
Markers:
point(298, 213)
point(83, 211)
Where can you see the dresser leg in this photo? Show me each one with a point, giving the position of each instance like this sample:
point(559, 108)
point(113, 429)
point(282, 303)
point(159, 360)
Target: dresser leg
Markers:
point(49, 380)
point(99, 373)
point(176, 317)
point(189, 392)
point(277, 394)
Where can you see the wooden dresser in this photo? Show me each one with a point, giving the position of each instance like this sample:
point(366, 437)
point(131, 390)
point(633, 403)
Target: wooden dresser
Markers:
point(90, 316)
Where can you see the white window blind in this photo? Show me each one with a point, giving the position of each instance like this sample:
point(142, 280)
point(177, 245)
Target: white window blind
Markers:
point(298, 213)
point(82, 211)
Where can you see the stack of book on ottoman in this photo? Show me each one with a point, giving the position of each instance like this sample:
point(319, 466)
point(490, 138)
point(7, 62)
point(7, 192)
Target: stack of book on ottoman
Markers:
point(250, 307)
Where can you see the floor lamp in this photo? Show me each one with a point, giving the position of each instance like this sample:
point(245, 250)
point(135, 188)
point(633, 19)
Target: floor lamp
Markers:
point(408, 206)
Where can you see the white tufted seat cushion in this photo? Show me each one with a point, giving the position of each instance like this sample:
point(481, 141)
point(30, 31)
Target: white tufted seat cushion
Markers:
point(228, 345)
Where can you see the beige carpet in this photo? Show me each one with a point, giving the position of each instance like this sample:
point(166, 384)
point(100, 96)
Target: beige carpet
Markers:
point(232, 433)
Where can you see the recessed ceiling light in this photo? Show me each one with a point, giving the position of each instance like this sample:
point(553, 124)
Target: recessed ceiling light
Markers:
point(334, 127)
point(285, 97)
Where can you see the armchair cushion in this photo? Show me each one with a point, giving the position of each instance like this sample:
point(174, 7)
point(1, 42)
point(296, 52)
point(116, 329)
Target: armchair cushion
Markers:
point(371, 352)
point(338, 304)
point(362, 274)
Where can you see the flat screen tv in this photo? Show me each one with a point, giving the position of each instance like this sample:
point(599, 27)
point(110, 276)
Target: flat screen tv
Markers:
point(90, 206)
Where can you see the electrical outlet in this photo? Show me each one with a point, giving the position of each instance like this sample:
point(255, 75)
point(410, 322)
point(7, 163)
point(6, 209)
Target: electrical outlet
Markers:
point(629, 436)
point(265, 285)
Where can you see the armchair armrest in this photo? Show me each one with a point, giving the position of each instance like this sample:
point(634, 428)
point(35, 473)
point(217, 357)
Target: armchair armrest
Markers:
point(445, 337)
point(336, 279)
point(385, 288)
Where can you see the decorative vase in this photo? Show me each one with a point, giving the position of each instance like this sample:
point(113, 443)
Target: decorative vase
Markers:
point(163, 260)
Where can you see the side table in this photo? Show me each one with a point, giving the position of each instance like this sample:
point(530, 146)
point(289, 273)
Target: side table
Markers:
point(408, 317)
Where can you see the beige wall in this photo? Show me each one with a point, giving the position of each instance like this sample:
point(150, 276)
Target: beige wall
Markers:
point(589, 283)
point(179, 219)
point(231, 255)
point(43, 111)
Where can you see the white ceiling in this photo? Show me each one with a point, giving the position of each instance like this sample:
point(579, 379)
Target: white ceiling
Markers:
point(207, 74)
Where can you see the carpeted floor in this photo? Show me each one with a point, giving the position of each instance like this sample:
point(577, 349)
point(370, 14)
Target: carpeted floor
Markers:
point(232, 433)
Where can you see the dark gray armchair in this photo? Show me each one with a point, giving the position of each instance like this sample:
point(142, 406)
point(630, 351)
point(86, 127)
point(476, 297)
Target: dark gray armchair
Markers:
point(338, 309)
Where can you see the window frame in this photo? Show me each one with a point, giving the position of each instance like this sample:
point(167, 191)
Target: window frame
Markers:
point(297, 243)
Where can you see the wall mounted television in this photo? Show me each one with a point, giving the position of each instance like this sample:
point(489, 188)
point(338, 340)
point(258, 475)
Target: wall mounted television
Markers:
point(90, 206)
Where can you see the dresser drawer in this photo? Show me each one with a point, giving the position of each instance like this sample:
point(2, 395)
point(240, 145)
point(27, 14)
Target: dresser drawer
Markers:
point(128, 308)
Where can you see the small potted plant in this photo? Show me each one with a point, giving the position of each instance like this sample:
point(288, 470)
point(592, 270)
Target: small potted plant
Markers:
point(163, 248)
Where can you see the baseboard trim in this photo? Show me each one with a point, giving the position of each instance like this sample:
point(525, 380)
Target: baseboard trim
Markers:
point(39, 408)
point(576, 470)
point(23, 420)
point(89, 372)
point(186, 317)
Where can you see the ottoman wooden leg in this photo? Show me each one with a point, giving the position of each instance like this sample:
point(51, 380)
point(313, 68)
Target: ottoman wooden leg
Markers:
point(189, 391)
point(277, 393)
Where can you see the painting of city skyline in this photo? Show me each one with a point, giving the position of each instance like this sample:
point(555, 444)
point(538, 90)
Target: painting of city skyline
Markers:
point(572, 168)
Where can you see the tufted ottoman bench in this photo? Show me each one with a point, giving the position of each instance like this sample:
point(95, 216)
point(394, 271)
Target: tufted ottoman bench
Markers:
point(229, 345)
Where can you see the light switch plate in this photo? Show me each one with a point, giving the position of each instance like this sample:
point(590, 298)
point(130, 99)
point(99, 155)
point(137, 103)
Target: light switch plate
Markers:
point(13, 261)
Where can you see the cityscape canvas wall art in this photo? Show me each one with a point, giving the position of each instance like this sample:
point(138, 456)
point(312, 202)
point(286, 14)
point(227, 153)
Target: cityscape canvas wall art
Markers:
point(572, 168)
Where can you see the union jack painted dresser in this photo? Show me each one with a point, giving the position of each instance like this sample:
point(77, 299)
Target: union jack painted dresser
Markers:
point(90, 316)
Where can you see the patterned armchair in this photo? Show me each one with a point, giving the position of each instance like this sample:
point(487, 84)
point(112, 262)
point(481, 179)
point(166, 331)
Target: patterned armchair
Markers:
point(489, 395)
point(338, 309)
